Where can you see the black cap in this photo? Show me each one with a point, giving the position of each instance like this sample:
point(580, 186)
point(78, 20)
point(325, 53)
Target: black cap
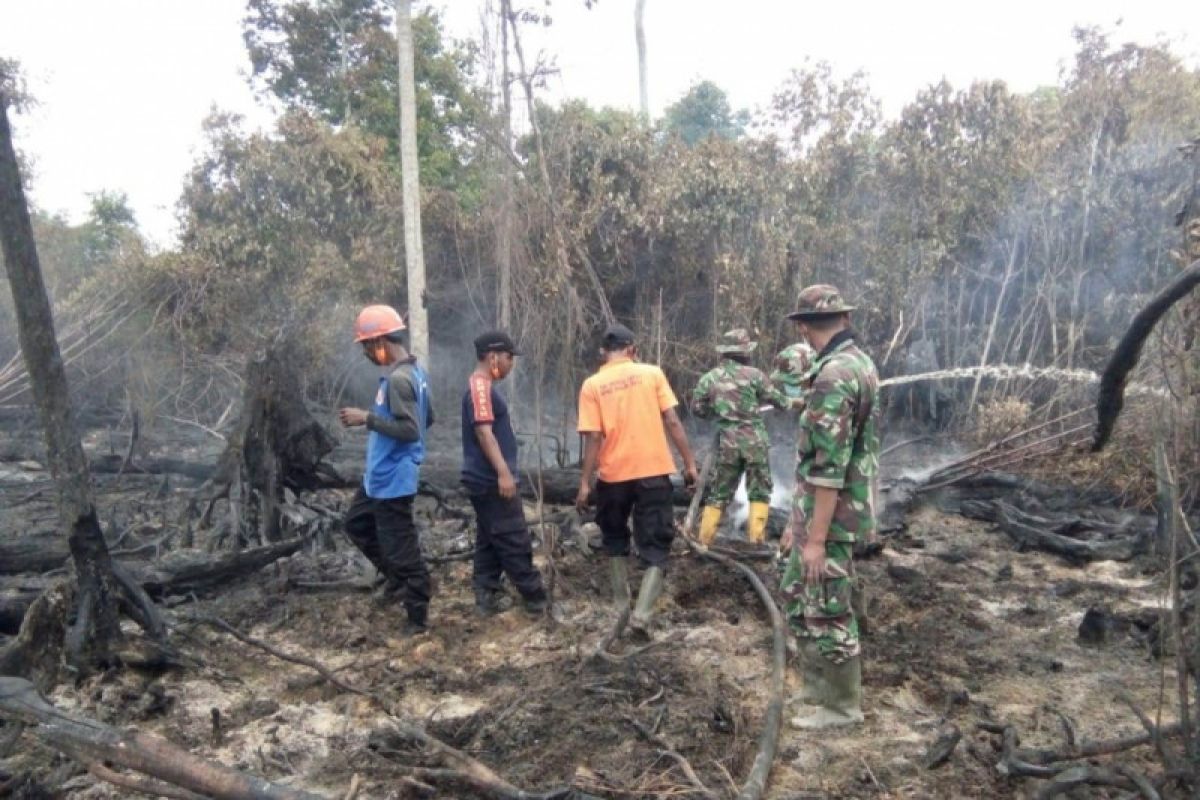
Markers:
point(617, 336)
point(494, 342)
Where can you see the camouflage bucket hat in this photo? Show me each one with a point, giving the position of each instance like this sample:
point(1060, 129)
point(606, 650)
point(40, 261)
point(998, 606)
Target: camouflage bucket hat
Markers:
point(819, 301)
point(736, 341)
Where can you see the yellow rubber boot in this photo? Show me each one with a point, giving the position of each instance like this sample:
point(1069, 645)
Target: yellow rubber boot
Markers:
point(709, 521)
point(756, 523)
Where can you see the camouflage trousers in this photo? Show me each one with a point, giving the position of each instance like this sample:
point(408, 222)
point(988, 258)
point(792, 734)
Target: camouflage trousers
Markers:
point(824, 612)
point(728, 471)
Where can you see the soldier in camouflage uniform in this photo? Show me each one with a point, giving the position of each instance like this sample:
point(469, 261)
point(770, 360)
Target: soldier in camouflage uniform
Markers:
point(791, 365)
point(838, 459)
point(732, 394)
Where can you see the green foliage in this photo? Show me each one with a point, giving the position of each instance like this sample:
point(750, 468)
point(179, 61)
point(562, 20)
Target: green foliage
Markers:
point(277, 229)
point(993, 224)
point(704, 111)
point(336, 59)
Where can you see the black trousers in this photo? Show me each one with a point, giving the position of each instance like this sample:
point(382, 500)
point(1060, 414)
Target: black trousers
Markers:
point(503, 545)
point(650, 502)
point(386, 534)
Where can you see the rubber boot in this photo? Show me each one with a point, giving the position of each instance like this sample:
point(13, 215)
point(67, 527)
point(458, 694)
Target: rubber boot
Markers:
point(842, 701)
point(756, 523)
point(709, 521)
point(651, 588)
point(618, 573)
point(536, 606)
point(416, 624)
point(489, 602)
point(812, 673)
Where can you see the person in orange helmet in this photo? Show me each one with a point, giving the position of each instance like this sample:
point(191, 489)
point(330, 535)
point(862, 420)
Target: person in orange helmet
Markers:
point(380, 520)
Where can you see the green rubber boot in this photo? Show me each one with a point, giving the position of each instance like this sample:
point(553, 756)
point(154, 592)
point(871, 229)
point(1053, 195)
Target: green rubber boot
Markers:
point(618, 573)
point(842, 701)
point(812, 672)
point(651, 588)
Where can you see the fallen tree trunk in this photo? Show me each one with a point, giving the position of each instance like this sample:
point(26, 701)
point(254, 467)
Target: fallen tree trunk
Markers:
point(38, 553)
point(115, 465)
point(92, 742)
point(109, 464)
point(181, 572)
point(1111, 398)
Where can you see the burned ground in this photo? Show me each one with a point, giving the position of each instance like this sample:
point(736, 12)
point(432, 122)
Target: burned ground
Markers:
point(962, 629)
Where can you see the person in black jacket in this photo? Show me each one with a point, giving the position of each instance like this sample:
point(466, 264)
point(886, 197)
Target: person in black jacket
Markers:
point(490, 476)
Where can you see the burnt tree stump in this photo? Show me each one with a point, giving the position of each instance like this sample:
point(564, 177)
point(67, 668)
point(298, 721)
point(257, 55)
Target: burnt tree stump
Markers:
point(277, 443)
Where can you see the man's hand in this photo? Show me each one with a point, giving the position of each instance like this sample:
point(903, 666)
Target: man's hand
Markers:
point(798, 403)
point(813, 556)
point(583, 497)
point(352, 417)
point(508, 485)
point(690, 477)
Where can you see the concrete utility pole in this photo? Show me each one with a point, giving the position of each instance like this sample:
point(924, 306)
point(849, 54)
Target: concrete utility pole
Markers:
point(410, 183)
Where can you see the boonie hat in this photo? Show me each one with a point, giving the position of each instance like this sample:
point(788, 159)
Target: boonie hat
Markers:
point(736, 341)
point(820, 300)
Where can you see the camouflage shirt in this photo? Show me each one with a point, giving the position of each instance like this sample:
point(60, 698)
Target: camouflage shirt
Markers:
point(732, 394)
point(839, 442)
point(791, 366)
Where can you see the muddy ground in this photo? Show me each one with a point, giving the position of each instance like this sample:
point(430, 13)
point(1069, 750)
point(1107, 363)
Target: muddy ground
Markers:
point(961, 629)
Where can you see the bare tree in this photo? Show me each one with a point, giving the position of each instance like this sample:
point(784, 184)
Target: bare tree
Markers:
point(96, 627)
point(414, 257)
point(643, 91)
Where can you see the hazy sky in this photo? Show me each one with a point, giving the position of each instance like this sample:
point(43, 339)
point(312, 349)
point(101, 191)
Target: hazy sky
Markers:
point(123, 85)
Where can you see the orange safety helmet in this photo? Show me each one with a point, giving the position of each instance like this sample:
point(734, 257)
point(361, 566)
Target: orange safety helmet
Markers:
point(376, 321)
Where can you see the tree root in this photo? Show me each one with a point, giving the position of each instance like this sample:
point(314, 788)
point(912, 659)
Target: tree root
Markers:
point(1063, 775)
point(665, 749)
point(1123, 778)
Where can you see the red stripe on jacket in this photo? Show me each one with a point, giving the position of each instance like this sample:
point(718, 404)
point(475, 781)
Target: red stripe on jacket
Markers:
point(481, 398)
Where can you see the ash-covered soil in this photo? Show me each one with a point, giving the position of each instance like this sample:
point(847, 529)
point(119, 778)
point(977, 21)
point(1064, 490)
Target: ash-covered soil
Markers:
point(961, 629)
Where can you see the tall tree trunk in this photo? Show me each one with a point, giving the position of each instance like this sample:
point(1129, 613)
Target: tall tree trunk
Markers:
point(96, 627)
point(414, 257)
point(504, 232)
point(643, 90)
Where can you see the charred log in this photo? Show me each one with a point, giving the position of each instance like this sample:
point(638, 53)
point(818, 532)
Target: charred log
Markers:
point(38, 553)
point(1050, 534)
point(92, 742)
point(116, 465)
point(178, 572)
point(181, 572)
